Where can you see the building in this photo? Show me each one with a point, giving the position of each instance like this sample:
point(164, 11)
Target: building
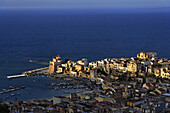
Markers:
point(152, 55)
point(153, 107)
point(83, 62)
point(52, 67)
point(132, 66)
point(78, 67)
point(135, 102)
point(165, 72)
point(93, 73)
point(157, 72)
point(54, 63)
point(142, 55)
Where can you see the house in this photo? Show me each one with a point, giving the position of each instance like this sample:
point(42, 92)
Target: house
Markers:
point(100, 63)
point(135, 102)
point(78, 67)
point(122, 66)
point(152, 55)
point(93, 73)
point(60, 69)
point(93, 64)
point(142, 55)
point(50, 109)
point(54, 63)
point(166, 97)
point(87, 96)
point(105, 99)
point(52, 67)
point(153, 107)
point(165, 72)
point(157, 72)
point(87, 69)
point(73, 73)
point(150, 69)
point(73, 96)
point(114, 64)
point(82, 74)
point(58, 99)
point(83, 62)
point(132, 66)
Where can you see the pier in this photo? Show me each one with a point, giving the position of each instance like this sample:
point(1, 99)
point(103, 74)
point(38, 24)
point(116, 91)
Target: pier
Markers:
point(39, 71)
point(16, 76)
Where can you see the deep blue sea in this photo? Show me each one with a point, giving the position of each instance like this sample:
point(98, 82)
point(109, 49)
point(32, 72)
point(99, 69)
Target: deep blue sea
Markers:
point(74, 34)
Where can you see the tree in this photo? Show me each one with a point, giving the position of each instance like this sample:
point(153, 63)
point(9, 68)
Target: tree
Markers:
point(150, 75)
point(66, 60)
point(4, 108)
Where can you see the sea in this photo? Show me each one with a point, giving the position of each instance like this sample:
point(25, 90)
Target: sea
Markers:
point(40, 34)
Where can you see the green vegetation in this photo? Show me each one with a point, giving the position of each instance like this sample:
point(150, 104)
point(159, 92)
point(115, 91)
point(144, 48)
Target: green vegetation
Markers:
point(150, 75)
point(43, 105)
point(4, 108)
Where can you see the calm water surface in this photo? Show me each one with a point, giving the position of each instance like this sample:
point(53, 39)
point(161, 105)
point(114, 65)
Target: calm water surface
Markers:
point(39, 35)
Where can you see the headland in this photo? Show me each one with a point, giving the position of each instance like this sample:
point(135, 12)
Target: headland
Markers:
point(137, 84)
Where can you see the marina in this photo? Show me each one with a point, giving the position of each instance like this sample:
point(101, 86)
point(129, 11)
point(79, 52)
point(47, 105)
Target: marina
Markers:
point(57, 86)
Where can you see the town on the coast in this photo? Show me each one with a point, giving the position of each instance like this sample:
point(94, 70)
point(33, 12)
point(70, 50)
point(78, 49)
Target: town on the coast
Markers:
point(138, 84)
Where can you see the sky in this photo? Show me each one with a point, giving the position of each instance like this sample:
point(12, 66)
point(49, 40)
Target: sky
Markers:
point(6, 4)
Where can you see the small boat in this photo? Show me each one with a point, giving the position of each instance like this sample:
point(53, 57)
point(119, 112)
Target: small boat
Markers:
point(56, 88)
point(11, 87)
point(65, 91)
point(22, 87)
point(3, 89)
point(52, 84)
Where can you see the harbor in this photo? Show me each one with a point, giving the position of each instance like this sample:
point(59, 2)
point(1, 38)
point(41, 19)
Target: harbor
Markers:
point(37, 84)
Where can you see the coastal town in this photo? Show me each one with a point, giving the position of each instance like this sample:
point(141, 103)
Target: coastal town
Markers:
point(138, 84)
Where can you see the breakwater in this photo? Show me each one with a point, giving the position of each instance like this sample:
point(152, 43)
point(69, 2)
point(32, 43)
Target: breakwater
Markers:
point(39, 71)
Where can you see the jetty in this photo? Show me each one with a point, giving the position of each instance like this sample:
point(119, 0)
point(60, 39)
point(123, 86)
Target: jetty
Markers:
point(16, 76)
point(39, 62)
point(39, 71)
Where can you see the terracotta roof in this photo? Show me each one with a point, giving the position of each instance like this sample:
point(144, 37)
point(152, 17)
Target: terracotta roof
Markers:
point(151, 53)
point(97, 68)
point(122, 63)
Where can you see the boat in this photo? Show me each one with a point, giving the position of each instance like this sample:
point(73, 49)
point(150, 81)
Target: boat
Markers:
point(11, 87)
point(22, 87)
point(52, 84)
point(65, 91)
point(56, 88)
